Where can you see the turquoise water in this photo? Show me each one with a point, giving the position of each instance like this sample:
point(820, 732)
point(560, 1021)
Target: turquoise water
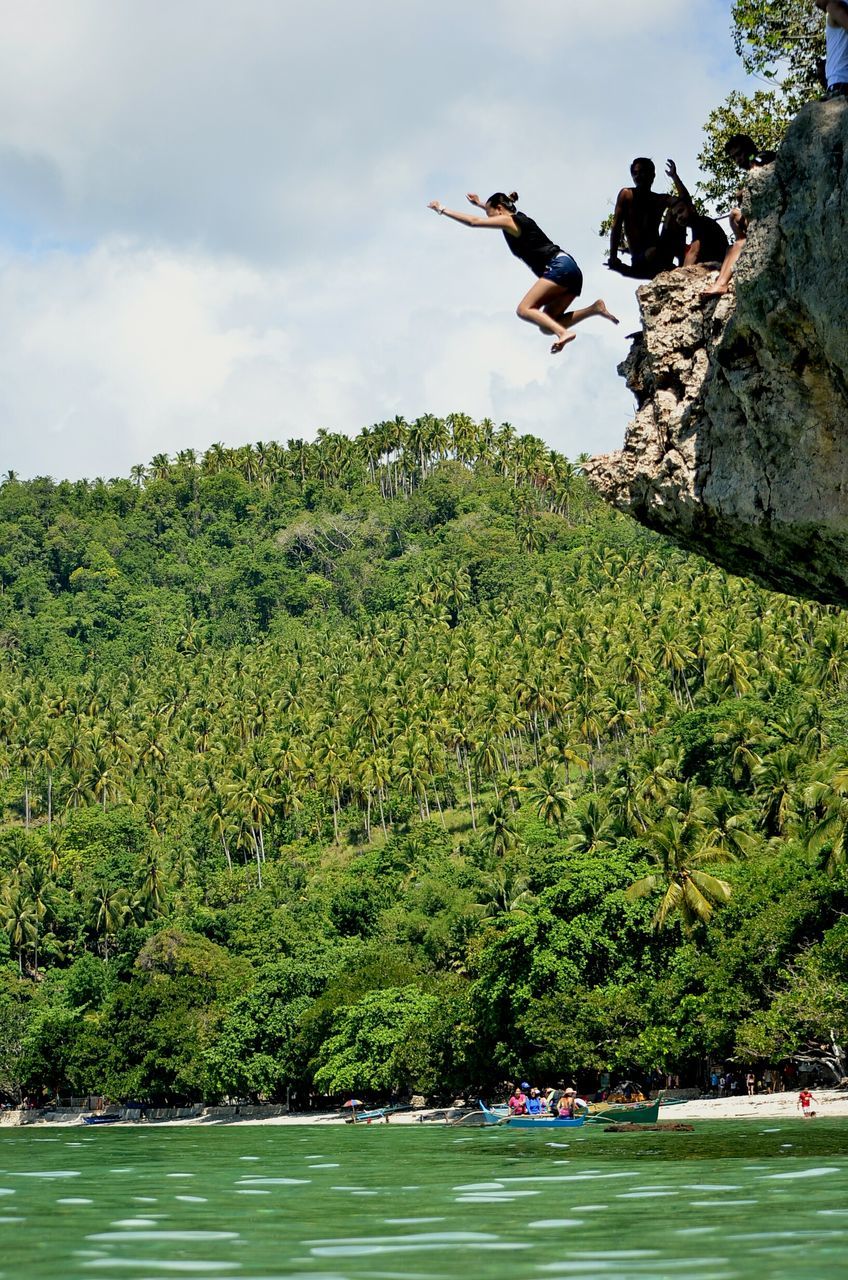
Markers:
point(763, 1201)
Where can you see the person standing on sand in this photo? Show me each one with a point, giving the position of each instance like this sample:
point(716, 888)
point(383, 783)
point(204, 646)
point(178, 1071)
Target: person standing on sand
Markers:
point(560, 280)
point(750, 1082)
point(836, 61)
point(805, 1103)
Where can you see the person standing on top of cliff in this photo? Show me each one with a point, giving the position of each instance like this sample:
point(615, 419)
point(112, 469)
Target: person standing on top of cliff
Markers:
point(560, 279)
point(836, 62)
point(639, 211)
point(744, 152)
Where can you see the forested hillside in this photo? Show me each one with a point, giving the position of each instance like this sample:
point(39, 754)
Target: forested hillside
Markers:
point(401, 763)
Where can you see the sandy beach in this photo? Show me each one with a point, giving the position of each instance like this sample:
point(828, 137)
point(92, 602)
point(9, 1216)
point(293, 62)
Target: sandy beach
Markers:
point(830, 1103)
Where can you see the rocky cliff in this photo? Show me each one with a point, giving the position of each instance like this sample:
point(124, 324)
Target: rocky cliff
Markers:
point(739, 447)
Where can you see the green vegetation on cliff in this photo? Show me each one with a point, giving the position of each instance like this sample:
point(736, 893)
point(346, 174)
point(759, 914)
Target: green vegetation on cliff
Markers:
point(400, 762)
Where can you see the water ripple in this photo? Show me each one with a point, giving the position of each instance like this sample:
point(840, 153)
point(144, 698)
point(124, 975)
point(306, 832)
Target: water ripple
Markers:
point(188, 1237)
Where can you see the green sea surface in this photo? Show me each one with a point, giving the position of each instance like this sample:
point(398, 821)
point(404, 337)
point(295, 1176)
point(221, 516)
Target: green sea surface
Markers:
point(751, 1199)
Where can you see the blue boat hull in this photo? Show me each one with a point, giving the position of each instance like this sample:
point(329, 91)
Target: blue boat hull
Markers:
point(530, 1122)
point(543, 1122)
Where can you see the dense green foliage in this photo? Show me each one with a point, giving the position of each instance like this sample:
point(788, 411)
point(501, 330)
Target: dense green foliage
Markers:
point(781, 43)
point(401, 763)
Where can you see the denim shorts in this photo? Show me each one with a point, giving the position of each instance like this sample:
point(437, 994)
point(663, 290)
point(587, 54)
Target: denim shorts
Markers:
point(564, 271)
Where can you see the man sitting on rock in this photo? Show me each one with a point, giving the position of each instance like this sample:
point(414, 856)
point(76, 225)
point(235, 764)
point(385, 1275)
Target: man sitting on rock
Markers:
point(836, 63)
point(639, 211)
point(708, 243)
point(744, 152)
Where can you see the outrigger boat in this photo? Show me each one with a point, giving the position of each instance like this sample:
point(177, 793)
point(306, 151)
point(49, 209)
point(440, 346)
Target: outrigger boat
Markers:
point(625, 1112)
point(492, 1117)
point(110, 1117)
point(377, 1114)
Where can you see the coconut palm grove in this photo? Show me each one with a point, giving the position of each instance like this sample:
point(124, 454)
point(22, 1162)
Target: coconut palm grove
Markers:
point(399, 763)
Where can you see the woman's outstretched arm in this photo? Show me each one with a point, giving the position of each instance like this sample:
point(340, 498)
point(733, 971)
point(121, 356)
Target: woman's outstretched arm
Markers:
point(500, 221)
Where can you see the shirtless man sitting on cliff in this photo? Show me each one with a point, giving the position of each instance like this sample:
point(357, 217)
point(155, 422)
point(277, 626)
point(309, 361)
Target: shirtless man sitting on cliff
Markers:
point(639, 211)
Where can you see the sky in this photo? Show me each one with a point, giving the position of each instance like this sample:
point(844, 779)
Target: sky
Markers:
point(213, 221)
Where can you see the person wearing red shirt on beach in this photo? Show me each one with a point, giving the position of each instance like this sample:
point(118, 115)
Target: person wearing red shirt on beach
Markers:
point(805, 1103)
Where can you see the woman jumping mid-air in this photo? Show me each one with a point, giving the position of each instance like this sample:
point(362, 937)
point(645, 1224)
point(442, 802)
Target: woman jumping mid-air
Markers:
point(560, 279)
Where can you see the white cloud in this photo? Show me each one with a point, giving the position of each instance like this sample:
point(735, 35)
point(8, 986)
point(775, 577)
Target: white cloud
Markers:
point(213, 222)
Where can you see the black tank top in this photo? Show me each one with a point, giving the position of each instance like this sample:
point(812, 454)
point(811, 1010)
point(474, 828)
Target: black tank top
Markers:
point(714, 243)
point(532, 246)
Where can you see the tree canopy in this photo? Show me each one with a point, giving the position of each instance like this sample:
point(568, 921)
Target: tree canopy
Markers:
point(399, 762)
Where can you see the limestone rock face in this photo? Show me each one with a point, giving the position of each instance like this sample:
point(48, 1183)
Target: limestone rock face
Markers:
point(739, 447)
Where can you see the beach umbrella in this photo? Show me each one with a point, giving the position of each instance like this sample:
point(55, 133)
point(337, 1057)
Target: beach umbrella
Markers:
point(354, 1102)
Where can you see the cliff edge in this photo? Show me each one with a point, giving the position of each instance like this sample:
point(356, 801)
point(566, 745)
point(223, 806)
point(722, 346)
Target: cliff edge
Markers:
point(739, 447)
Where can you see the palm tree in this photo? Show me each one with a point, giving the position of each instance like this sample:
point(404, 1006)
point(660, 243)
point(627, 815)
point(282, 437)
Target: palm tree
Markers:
point(149, 901)
point(18, 918)
point(627, 807)
point(730, 830)
point(826, 800)
point(673, 656)
point(503, 835)
point(109, 909)
point(775, 785)
point(506, 892)
point(829, 657)
point(160, 466)
point(41, 892)
point(550, 795)
point(252, 803)
point(410, 770)
point(590, 826)
point(48, 757)
point(689, 892)
point(26, 747)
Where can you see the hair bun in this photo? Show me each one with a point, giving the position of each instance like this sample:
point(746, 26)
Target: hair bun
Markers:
point(513, 195)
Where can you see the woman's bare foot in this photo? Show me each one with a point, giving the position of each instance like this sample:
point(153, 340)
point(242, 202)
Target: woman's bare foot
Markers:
point(715, 291)
point(600, 308)
point(560, 342)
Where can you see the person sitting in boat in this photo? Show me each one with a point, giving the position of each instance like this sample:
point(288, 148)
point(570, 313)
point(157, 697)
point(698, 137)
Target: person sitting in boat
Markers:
point(517, 1102)
point(552, 1099)
point(566, 1105)
point(534, 1103)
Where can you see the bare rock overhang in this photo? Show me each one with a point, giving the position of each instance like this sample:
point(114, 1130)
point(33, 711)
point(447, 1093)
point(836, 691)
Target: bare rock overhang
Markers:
point(739, 446)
